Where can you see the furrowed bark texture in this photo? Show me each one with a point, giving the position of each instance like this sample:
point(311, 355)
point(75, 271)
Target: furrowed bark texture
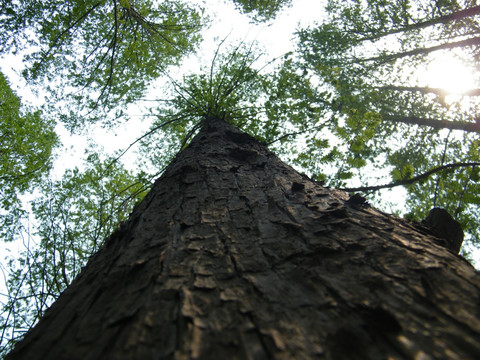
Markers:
point(234, 255)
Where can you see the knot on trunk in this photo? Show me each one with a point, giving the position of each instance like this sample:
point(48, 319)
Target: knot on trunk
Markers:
point(444, 226)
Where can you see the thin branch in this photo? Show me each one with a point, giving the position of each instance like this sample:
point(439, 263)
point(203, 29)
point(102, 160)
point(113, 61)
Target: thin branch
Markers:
point(318, 127)
point(190, 134)
point(112, 57)
point(420, 51)
point(75, 23)
point(424, 24)
point(148, 26)
point(148, 133)
point(412, 180)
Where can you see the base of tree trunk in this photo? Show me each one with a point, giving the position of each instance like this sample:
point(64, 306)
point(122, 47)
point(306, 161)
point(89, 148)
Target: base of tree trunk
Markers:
point(235, 255)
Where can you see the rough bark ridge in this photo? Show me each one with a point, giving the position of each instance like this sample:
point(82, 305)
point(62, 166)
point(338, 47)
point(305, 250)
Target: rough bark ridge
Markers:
point(234, 255)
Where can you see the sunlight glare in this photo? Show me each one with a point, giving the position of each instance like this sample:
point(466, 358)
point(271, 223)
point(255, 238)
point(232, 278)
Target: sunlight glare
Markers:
point(450, 74)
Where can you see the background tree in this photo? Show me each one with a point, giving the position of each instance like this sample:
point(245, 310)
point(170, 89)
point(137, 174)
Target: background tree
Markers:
point(105, 53)
point(73, 216)
point(26, 143)
point(364, 57)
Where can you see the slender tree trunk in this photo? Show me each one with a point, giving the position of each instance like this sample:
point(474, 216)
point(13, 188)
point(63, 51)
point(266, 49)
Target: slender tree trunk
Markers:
point(382, 59)
point(234, 255)
point(470, 12)
point(434, 123)
point(428, 90)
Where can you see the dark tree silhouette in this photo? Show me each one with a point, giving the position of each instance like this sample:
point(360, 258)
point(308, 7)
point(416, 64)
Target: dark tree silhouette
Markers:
point(235, 255)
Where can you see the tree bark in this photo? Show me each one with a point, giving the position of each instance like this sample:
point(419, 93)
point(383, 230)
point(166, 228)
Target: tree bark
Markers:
point(235, 255)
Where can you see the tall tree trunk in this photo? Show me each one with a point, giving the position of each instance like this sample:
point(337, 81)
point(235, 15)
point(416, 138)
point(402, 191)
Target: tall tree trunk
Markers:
point(235, 255)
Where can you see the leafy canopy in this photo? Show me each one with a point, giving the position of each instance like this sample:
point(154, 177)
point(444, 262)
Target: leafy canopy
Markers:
point(365, 56)
point(105, 52)
point(26, 143)
point(262, 10)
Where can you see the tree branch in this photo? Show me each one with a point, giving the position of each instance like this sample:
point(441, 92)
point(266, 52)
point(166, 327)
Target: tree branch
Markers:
point(54, 43)
point(434, 123)
point(148, 133)
point(412, 180)
point(421, 51)
point(428, 90)
point(422, 25)
point(113, 47)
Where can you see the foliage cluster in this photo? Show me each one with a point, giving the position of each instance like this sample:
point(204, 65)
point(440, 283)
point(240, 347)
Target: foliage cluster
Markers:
point(105, 52)
point(73, 217)
point(262, 10)
point(366, 55)
point(26, 143)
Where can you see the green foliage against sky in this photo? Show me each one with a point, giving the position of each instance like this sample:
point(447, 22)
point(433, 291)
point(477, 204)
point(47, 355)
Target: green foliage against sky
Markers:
point(26, 143)
point(104, 52)
point(74, 214)
point(366, 56)
point(346, 105)
point(262, 10)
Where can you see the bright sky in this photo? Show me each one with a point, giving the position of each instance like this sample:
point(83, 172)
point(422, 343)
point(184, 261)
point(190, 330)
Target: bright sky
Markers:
point(450, 73)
